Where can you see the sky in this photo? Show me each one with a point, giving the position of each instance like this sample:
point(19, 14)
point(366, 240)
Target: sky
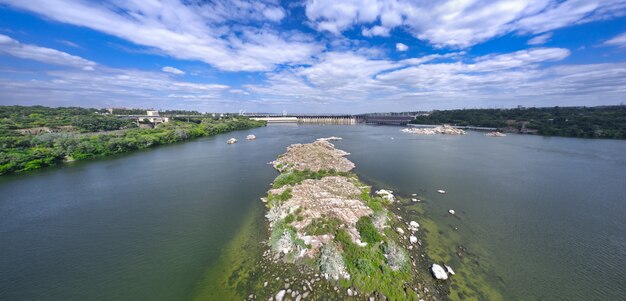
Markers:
point(312, 56)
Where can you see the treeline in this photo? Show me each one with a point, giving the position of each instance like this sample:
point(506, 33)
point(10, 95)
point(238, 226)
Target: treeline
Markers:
point(584, 122)
point(23, 152)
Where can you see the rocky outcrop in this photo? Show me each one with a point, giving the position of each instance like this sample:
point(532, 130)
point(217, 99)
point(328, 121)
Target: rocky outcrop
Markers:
point(439, 130)
point(316, 156)
point(495, 134)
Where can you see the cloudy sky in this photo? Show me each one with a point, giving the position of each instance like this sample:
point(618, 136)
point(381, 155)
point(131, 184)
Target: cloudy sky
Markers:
point(312, 55)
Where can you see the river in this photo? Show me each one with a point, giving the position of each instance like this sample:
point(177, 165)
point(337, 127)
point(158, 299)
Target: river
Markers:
point(542, 218)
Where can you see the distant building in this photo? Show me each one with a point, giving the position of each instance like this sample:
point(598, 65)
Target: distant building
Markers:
point(153, 117)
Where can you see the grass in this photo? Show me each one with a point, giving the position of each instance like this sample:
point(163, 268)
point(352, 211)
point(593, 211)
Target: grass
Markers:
point(277, 199)
point(294, 177)
point(321, 226)
point(370, 272)
point(368, 232)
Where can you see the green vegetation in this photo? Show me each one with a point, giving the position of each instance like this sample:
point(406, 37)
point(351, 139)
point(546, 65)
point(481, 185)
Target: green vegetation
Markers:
point(274, 200)
point(322, 225)
point(371, 272)
point(77, 135)
point(583, 122)
point(294, 177)
point(368, 232)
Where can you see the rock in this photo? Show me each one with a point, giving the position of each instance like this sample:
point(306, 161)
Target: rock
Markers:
point(386, 194)
point(332, 138)
point(443, 130)
point(412, 239)
point(265, 284)
point(231, 141)
point(250, 137)
point(495, 134)
point(400, 231)
point(441, 191)
point(450, 271)
point(413, 194)
point(280, 295)
point(349, 292)
point(438, 272)
point(416, 200)
point(451, 212)
point(414, 224)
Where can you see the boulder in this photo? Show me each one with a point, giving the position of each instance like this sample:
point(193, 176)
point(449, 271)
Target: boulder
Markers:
point(231, 141)
point(280, 295)
point(438, 272)
point(412, 239)
point(449, 269)
point(451, 212)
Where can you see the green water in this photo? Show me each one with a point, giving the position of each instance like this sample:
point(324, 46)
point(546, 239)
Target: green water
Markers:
point(539, 218)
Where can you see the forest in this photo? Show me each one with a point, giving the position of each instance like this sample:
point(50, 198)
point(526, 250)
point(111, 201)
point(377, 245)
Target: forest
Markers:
point(583, 122)
point(35, 137)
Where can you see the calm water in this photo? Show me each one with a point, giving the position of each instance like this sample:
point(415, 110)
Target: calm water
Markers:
point(547, 214)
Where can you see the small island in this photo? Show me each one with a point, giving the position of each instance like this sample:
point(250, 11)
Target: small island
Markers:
point(342, 240)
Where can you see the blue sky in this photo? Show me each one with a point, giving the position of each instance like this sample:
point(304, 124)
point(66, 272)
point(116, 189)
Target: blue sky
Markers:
point(313, 55)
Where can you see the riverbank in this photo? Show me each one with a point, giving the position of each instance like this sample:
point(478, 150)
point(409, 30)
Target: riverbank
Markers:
point(25, 152)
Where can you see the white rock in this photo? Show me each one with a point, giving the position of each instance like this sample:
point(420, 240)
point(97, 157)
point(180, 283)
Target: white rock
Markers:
point(231, 141)
point(414, 224)
point(441, 191)
point(413, 194)
point(451, 212)
point(251, 137)
point(412, 239)
point(349, 292)
point(280, 295)
point(450, 271)
point(438, 272)
point(400, 231)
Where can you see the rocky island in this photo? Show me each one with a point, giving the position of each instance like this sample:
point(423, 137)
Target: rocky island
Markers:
point(439, 130)
point(330, 237)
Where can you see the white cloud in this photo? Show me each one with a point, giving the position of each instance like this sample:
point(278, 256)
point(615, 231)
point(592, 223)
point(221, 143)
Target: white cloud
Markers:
point(401, 47)
point(80, 84)
point(376, 31)
point(619, 41)
point(172, 70)
point(458, 23)
point(354, 83)
point(42, 54)
point(540, 39)
point(217, 33)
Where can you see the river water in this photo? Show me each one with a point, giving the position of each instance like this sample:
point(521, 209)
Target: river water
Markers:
point(540, 218)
